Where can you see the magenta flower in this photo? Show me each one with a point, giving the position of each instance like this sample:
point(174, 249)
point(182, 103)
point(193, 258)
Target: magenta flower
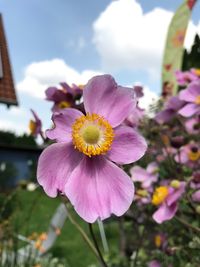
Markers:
point(188, 154)
point(138, 90)
point(170, 109)
point(138, 113)
point(65, 97)
point(192, 125)
point(196, 196)
point(191, 96)
point(135, 117)
point(166, 197)
point(195, 183)
point(81, 164)
point(154, 263)
point(185, 77)
point(145, 176)
point(35, 126)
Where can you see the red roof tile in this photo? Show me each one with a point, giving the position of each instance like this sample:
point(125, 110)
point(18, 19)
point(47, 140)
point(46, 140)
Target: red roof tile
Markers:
point(7, 89)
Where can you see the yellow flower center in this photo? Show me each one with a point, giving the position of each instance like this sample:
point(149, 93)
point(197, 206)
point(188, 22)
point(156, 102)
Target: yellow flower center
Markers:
point(158, 241)
point(197, 72)
point(197, 100)
point(81, 86)
point(160, 195)
point(194, 155)
point(92, 135)
point(32, 126)
point(64, 104)
point(165, 139)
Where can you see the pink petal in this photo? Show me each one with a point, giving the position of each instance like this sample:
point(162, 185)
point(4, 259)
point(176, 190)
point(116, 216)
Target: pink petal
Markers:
point(102, 96)
point(182, 156)
point(97, 188)
point(128, 146)
point(154, 263)
point(165, 115)
point(152, 167)
point(189, 125)
point(55, 165)
point(189, 110)
point(176, 194)
point(165, 213)
point(196, 196)
point(63, 125)
point(138, 174)
point(190, 94)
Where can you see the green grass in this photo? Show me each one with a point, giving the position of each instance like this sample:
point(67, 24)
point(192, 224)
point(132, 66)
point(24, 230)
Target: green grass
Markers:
point(33, 214)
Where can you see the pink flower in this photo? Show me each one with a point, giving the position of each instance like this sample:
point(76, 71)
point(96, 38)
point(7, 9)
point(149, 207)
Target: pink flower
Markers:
point(189, 155)
point(185, 77)
point(35, 126)
point(64, 97)
point(154, 263)
point(170, 110)
point(166, 197)
point(81, 164)
point(145, 176)
point(192, 125)
point(191, 96)
point(196, 196)
point(138, 113)
point(135, 117)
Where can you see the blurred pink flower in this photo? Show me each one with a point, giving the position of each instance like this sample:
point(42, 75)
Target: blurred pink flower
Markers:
point(35, 126)
point(166, 197)
point(145, 176)
point(191, 96)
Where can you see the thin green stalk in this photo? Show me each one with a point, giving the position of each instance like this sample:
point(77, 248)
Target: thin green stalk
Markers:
point(96, 246)
point(196, 229)
point(82, 232)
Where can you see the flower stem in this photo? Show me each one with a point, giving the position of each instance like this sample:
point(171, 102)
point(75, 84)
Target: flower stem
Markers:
point(82, 232)
point(96, 246)
point(196, 229)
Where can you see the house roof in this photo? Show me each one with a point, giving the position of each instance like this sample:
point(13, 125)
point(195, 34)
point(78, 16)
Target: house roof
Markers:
point(7, 89)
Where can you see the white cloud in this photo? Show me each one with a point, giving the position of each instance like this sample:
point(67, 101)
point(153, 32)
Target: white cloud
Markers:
point(149, 98)
point(40, 75)
point(128, 38)
point(17, 111)
point(10, 125)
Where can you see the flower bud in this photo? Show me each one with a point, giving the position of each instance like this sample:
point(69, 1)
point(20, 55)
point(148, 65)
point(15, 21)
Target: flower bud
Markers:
point(175, 184)
point(177, 141)
point(198, 209)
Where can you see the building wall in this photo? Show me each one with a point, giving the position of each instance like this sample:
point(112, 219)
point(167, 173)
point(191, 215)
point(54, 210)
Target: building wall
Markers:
point(22, 160)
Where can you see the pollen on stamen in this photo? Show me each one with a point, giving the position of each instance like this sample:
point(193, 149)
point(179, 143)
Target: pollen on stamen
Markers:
point(92, 135)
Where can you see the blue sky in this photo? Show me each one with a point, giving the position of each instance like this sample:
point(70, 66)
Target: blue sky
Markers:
point(78, 33)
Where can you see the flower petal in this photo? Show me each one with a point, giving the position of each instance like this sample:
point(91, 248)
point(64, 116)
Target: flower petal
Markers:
point(165, 213)
point(102, 96)
point(128, 146)
point(192, 91)
point(63, 125)
point(55, 165)
point(165, 115)
point(176, 194)
point(196, 196)
point(182, 156)
point(97, 188)
point(138, 174)
point(189, 110)
point(174, 103)
point(50, 93)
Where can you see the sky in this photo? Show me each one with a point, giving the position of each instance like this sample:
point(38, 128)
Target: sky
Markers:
point(51, 41)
